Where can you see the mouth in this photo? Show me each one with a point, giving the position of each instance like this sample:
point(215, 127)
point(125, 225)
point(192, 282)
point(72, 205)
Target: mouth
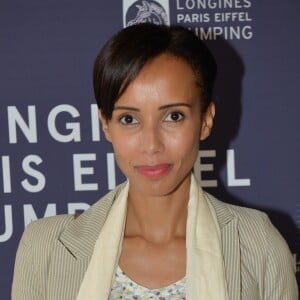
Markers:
point(154, 172)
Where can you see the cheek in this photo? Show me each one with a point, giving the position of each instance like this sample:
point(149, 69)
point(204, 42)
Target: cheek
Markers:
point(184, 149)
point(124, 148)
point(186, 141)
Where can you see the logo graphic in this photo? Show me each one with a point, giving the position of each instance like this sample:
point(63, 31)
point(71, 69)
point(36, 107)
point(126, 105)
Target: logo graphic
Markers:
point(145, 11)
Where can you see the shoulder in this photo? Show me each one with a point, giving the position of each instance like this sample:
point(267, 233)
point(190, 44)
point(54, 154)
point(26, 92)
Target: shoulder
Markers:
point(258, 237)
point(39, 237)
point(264, 253)
point(46, 229)
point(251, 222)
point(33, 254)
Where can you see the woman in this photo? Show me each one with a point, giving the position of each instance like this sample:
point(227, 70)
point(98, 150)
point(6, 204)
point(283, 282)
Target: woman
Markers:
point(157, 236)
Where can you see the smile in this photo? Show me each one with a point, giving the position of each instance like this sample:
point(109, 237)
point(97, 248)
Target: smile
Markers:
point(154, 171)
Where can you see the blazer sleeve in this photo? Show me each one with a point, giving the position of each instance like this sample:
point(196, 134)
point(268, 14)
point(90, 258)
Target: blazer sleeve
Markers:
point(279, 281)
point(34, 255)
point(26, 283)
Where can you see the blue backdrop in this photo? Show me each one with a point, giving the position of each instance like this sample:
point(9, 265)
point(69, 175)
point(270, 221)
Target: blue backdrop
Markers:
point(53, 156)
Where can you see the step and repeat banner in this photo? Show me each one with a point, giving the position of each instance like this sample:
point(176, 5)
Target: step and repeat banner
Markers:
point(54, 158)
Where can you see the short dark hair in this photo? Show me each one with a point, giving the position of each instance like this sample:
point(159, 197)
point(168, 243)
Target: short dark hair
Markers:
point(124, 55)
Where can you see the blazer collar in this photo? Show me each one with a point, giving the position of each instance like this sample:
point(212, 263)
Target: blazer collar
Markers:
point(222, 210)
point(81, 234)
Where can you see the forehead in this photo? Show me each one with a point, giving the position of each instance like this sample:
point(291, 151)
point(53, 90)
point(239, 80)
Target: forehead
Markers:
point(165, 76)
point(165, 64)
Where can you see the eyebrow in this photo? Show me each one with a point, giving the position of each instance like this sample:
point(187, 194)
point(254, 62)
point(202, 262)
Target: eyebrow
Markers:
point(174, 104)
point(160, 108)
point(126, 108)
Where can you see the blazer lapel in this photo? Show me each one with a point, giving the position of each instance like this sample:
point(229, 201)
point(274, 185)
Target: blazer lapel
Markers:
point(65, 274)
point(72, 251)
point(228, 223)
point(99, 275)
point(81, 235)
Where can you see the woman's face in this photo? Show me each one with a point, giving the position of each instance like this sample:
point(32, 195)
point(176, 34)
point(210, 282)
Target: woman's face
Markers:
point(156, 126)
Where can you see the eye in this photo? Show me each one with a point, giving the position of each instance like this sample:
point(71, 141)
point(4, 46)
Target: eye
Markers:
point(127, 120)
point(174, 116)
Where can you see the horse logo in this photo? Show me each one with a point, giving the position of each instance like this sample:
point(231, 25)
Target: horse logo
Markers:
point(143, 11)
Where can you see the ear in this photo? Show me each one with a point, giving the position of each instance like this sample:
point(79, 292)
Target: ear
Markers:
point(104, 125)
point(207, 121)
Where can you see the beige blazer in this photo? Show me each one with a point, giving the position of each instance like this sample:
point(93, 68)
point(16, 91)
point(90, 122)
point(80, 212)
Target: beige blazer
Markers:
point(54, 254)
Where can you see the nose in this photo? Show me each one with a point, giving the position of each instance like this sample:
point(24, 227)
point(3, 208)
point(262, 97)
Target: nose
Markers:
point(151, 141)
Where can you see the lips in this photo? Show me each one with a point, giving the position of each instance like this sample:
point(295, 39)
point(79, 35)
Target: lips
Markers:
point(154, 171)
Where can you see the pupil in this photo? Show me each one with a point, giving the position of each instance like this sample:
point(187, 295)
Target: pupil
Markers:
point(128, 119)
point(174, 116)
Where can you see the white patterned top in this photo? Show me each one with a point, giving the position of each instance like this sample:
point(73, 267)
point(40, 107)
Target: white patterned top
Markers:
point(126, 289)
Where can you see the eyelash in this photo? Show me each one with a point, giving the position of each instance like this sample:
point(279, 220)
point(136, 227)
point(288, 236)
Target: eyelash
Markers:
point(177, 113)
point(122, 119)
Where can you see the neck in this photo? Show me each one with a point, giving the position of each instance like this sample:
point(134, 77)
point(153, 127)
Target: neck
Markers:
point(158, 219)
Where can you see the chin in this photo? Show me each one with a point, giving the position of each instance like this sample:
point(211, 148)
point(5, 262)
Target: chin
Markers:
point(159, 187)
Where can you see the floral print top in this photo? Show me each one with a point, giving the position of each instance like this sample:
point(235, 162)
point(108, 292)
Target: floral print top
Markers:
point(126, 289)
